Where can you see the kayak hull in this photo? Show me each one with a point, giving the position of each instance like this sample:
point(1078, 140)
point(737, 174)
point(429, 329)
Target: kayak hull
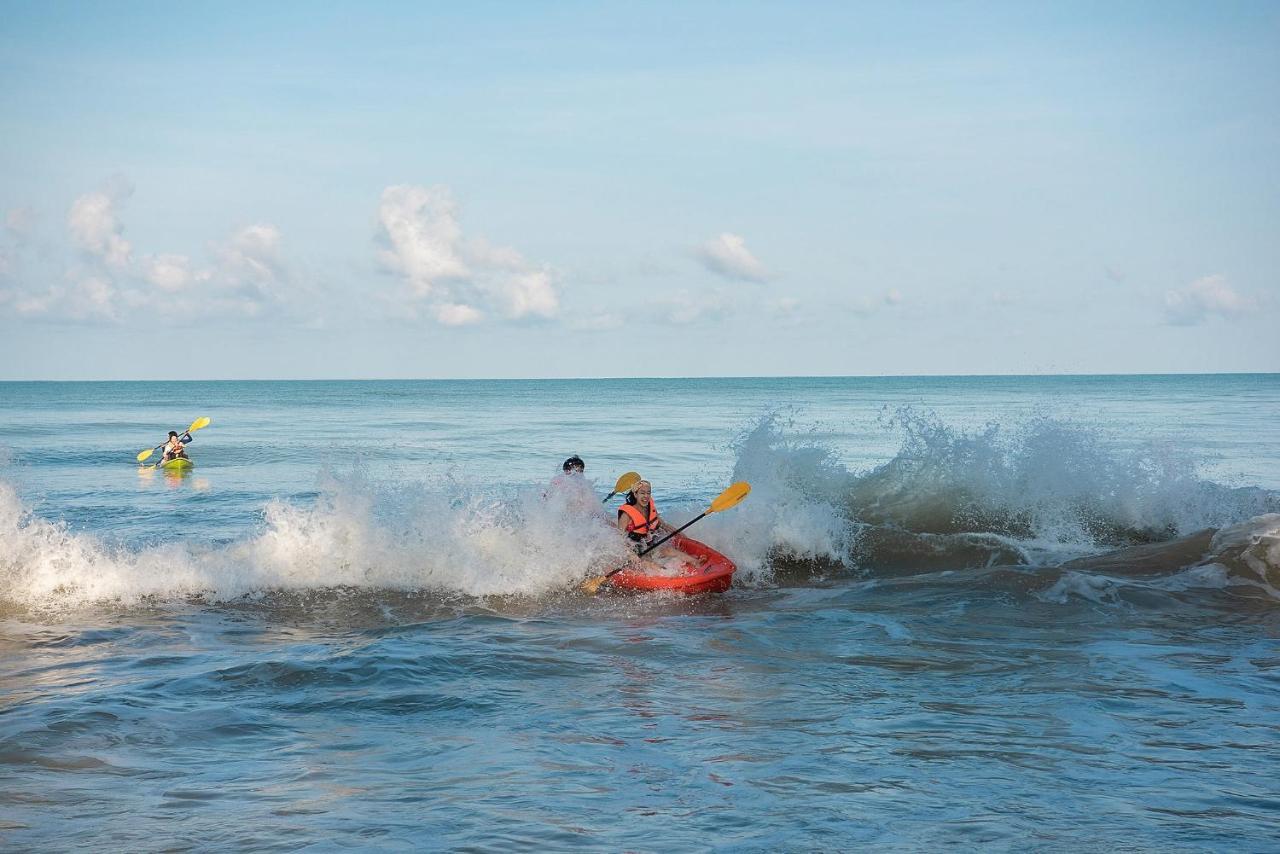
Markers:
point(180, 464)
point(704, 571)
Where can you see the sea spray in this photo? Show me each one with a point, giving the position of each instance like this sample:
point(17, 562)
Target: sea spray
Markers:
point(1044, 479)
point(794, 511)
point(356, 534)
point(1032, 493)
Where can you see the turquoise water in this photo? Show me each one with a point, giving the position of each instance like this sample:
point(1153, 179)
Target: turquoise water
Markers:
point(1000, 612)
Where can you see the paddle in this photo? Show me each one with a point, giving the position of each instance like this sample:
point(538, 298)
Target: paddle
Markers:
point(729, 498)
point(198, 424)
point(624, 484)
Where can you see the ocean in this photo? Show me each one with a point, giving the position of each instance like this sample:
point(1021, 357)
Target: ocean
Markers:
point(994, 612)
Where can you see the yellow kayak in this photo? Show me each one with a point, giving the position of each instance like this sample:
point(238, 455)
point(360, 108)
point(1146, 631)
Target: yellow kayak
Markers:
point(179, 464)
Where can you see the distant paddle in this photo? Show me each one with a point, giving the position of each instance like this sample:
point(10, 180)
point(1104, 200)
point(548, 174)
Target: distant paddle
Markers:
point(729, 498)
point(624, 484)
point(198, 424)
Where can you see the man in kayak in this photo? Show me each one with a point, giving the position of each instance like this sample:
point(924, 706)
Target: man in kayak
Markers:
point(572, 488)
point(571, 477)
point(176, 446)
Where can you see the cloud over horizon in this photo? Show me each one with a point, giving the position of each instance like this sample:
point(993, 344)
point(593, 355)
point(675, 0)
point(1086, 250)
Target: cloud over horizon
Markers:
point(864, 306)
point(1205, 297)
point(112, 282)
point(96, 229)
point(461, 281)
point(727, 255)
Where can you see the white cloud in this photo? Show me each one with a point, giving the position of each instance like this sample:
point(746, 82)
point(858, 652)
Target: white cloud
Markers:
point(786, 307)
point(524, 294)
point(484, 254)
point(242, 278)
point(421, 229)
point(1203, 298)
point(96, 229)
point(94, 297)
point(684, 308)
point(168, 272)
point(19, 222)
point(29, 305)
point(598, 321)
point(461, 279)
point(728, 256)
point(457, 314)
point(868, 305)
point(251, 257)
point(785, 311)
point(85, 299)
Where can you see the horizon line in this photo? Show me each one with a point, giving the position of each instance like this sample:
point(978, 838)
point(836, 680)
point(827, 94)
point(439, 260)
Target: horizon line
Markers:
point(667, 377)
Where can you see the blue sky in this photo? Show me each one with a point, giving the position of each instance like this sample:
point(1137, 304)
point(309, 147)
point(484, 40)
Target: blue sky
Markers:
point(595, 189)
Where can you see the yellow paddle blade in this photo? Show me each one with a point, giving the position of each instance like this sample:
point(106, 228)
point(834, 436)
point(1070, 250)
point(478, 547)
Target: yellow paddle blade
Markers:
point(626, 481)
point(591, 585)
point(730, 496)
point(142, 455)
point(198, 424)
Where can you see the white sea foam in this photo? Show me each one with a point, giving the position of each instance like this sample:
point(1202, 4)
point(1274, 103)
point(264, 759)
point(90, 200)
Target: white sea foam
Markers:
point(795, 507)
point(1058, 480)
point(1032, 494)
point(1050, 488)
point(1250, 552)
point(355, 535)
point(1107, 589)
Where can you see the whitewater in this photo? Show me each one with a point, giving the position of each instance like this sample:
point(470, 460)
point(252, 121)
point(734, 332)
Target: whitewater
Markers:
point(998, 611)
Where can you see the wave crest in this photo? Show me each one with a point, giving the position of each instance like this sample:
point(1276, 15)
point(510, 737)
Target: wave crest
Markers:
point(356, 535)
point(1040, 493)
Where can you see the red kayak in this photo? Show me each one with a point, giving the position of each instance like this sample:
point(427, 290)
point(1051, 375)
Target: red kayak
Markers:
point(704, 570)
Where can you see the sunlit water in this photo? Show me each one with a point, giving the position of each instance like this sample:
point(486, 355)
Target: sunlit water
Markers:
point(998, 612)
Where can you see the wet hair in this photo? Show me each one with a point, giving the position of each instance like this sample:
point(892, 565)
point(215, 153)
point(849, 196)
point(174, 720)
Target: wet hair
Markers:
point(574, 462)
point(173, 434)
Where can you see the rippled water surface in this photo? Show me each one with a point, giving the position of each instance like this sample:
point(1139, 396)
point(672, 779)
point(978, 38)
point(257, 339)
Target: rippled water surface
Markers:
point(992, 613)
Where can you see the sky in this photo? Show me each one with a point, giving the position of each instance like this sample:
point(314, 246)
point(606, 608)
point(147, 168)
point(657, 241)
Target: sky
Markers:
point(558, 189)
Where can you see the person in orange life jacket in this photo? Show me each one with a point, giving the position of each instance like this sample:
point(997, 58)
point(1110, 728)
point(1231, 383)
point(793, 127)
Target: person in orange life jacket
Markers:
point(176, 447)
point(638, 518)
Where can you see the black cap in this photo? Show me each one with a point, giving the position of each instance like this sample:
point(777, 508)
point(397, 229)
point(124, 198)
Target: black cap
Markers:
point(574, 462)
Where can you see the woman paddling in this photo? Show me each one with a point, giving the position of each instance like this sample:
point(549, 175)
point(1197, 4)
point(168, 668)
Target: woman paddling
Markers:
point(638, 518)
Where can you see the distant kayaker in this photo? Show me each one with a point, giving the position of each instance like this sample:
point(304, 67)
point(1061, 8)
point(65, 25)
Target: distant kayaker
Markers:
point(176, 446)
point(638, 518)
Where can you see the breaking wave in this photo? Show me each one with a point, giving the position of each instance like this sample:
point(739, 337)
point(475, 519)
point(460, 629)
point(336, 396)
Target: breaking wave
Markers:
point(1044, 495)
point(1040, 494)
point(356, 535)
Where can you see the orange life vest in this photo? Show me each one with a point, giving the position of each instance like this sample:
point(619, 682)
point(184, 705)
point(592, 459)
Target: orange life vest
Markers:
point(638, 526)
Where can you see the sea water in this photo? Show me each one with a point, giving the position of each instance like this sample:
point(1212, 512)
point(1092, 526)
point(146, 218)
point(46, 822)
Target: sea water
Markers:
point(1003, 612)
